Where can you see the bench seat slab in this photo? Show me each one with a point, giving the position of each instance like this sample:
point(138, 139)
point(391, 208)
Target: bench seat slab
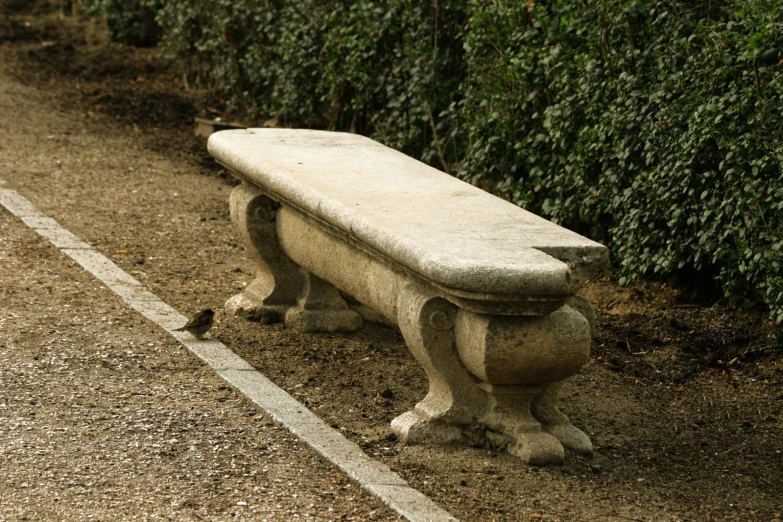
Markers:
point(483, 292)
point(448, 232)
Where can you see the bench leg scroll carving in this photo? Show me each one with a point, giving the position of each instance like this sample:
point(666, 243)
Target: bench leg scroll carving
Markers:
point(278, 280)
point(494, 380)
point(454, 400)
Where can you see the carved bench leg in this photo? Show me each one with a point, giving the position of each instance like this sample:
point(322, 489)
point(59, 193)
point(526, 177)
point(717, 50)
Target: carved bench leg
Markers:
point(520, 360)
point(454, 399)
point(321, 309)
point(278, 280)
point(544, 406)
point(513, 425)
point(544, 409)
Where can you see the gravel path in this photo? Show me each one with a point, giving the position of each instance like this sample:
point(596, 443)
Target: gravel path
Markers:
point(102, 416)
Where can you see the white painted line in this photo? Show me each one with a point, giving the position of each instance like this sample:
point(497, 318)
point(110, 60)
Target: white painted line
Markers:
point(18, 205)
point(57, 236)
point(370, 474)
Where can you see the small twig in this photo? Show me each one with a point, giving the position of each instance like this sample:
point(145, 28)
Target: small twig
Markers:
point(500, 53)
point(756, 76)
point(620, 516)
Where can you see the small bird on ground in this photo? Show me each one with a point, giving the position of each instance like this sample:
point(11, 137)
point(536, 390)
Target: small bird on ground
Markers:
point(199, 324)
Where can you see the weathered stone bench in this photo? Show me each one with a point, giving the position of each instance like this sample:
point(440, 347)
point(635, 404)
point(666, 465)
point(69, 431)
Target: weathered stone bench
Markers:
point(483, 291)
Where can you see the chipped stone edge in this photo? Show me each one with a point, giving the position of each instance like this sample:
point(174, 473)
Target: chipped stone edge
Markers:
point(372, 475)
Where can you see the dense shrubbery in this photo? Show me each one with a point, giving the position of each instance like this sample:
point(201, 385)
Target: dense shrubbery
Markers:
point(651, 125)
point(654, 126)
point(388, 69)
point(127, 21)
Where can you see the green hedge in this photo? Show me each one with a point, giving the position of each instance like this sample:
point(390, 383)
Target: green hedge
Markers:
point(130, 22)
point(388, 69)
point(653, 126)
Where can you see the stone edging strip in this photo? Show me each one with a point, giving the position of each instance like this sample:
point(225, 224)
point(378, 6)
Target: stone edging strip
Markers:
point(373, 476)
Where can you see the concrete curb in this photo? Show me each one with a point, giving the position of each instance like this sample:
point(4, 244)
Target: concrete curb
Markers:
point(373, 476)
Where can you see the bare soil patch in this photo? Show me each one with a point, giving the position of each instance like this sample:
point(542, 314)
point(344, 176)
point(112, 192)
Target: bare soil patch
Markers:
point(683, 402)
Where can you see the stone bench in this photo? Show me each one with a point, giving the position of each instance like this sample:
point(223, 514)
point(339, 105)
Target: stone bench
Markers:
point(483, 291)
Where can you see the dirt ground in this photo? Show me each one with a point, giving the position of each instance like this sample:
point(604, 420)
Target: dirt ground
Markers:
point(104, 417)
point(684, 403)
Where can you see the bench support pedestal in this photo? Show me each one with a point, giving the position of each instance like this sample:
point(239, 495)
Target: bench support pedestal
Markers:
point(278, 280)
point(482, 383)
point(454, 399)
point(281, 291)
point(494, 376)
point(321, 309)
